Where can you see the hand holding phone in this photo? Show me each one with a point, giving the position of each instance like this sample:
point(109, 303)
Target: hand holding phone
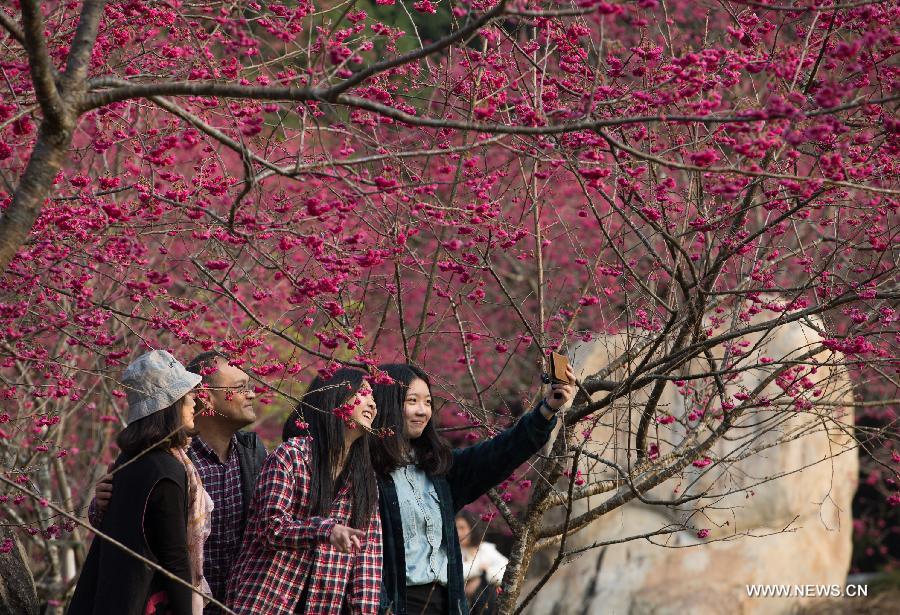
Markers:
point(561, 379)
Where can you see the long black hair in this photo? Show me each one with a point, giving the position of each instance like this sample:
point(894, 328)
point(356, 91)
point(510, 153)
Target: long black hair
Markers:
point(432, 453)
point(161, 430)
point(315, 417)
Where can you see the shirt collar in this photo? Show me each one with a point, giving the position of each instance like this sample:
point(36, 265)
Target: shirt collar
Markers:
point(203, 449)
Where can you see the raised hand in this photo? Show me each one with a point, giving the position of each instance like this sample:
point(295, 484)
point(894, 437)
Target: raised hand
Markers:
point(561, 394)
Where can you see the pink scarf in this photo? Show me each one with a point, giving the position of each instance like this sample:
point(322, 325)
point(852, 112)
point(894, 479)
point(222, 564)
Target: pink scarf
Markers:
point(200, 507)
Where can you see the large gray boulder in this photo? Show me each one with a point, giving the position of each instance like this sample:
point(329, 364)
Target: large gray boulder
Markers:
point(779, 510)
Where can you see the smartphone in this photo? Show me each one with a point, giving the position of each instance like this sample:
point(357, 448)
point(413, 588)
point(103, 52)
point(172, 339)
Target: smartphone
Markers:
point(558, 365)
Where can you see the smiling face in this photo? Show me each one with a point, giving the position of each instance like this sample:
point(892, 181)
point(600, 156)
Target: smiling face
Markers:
point(364, 410)
point(416, 409)
point(231, 394)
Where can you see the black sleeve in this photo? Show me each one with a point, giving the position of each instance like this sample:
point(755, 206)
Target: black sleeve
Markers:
point(165, 526)
point(478, 468)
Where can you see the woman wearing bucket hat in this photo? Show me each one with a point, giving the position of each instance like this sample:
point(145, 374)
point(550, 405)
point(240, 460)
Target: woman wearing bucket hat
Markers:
point(159, 508)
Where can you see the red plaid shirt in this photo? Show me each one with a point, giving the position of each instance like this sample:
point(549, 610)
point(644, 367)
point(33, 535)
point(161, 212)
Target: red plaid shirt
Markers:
point(223, 483)
point(286, 553)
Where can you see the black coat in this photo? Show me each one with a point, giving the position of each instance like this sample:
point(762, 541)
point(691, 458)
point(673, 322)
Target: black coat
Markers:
point(251, 454)
point(113, 581)
point(474, 471)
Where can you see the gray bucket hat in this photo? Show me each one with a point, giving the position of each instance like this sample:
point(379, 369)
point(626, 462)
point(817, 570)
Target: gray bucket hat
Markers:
point(153, 382)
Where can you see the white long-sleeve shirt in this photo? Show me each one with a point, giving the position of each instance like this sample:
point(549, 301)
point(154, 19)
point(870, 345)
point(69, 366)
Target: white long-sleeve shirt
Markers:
point(485, 558)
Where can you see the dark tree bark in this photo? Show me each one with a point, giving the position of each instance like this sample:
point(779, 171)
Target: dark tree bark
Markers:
point(17, 593)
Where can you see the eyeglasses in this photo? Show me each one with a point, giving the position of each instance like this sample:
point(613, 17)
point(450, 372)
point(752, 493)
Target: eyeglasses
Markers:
point(241, 389)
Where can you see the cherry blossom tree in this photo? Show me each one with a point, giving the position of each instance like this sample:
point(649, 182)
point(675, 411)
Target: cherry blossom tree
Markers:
point(463, 184)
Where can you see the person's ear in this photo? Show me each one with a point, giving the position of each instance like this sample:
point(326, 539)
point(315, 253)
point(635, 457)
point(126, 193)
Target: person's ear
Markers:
point(203, 403)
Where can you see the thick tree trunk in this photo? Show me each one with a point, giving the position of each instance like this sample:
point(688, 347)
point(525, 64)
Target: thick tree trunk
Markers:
point(34, 187)
point(17, 594)
point(59, 97)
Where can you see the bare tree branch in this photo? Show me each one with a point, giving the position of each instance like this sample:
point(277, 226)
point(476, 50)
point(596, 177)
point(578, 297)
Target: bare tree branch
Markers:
point(12, 27)
point(42, 69)
point(470, 29)
point(82, 45)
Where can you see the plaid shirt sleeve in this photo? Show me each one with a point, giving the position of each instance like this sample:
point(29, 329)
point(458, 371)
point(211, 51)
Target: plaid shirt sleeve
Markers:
point(365, 580)
point(275, 492)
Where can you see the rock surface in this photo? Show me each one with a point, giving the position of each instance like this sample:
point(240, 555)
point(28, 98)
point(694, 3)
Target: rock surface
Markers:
point(779, 515)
